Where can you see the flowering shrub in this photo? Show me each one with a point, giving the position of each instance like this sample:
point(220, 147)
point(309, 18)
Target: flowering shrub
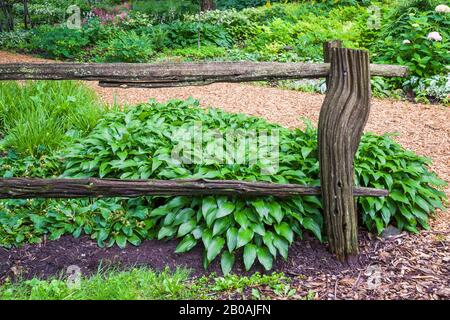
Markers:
point(420, 42)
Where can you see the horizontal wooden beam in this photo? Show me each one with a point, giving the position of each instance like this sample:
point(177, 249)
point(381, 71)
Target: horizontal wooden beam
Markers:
point(177, 74)
point(26, 188)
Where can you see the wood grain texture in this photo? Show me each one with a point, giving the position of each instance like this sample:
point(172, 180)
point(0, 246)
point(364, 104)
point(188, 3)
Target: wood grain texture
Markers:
point(341, 122)
point(176, 74)
point(24, 188)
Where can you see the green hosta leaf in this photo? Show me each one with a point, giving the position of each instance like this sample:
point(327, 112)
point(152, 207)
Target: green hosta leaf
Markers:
point(268, 241)
point(221, 225)
point(249, 255)
point(232, 235)
point(312, 226)
point(306, 151)
point(207, 237)
point(226, 262)
point(244, 236)
point(386, 215)
point(208, 205)
point(422, 203)
point(186, 244)
point(121, 240)
point(284, 230)
point(398, 196)
point(282, 246)
point(265, 258)
point(183, 216)
point(134, 240)
point(241, 218)
point(166, 232)
point(160, 211)
point(275, 211)
point(214, 248)
point(261, 207)
point(211, 217)
point(225, 209)
point(187, 227)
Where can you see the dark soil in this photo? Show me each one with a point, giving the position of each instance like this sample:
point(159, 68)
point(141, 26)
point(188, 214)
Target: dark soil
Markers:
point(54, 257)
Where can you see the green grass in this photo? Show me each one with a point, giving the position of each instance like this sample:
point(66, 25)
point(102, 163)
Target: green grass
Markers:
point(36, 117)
point(145, 284)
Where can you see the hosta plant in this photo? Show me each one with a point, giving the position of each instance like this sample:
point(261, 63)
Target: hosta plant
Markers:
point(138, 143)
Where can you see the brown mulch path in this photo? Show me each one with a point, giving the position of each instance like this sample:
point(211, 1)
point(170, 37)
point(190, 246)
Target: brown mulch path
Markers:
point(411, 266)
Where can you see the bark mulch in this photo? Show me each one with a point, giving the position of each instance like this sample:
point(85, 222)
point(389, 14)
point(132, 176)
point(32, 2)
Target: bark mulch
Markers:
point(408, 266)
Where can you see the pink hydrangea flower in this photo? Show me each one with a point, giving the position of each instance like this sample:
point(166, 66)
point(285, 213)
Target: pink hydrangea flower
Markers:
point(442, 8)
point(435, 36)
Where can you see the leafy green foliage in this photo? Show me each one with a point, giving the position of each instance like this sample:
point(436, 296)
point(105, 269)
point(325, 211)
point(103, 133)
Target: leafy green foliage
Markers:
point(59, 42)
point(43, 115)
point(145, 284)
point(138, 144)
point(125, 46)
point(406, 43)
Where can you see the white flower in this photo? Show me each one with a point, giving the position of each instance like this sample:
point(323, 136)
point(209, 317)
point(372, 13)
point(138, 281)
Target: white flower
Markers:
point(435, 36)
point(406, 41)
point(442, 8)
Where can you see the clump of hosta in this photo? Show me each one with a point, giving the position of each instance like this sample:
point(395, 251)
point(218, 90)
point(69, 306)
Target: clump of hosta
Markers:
point(138, 143)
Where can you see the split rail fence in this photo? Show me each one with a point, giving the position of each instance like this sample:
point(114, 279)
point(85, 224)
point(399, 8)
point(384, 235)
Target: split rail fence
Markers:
point(343, 116)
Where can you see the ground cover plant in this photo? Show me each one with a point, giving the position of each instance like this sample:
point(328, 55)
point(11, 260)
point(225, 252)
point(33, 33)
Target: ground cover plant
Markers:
point(145, 284)
point(137, 143)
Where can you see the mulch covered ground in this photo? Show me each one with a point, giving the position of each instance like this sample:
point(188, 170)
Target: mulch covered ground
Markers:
point(410, 266)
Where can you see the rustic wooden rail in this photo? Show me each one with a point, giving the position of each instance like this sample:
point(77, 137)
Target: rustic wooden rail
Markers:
point(342, 119)
point(177, 74)
point(22, 188)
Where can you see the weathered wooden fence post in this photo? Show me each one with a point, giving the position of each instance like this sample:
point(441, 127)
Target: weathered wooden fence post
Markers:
point(327, 46)
point(342, 119)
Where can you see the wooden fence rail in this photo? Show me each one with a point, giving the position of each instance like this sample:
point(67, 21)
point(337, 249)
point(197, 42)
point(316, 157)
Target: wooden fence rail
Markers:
point(177, 74)
point(24, 188)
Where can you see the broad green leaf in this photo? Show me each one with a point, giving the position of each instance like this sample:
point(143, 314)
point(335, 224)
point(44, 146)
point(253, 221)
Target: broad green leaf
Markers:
point(249, 255)
point(225, 209)
point(226, 262)
point(121, 240)
point(232, 234)
point(186, 244)
point(275, 211)
point(208, 204)
point(214, 248)
point(261, 207)
point(244, 236)
point(220, 225)
point(166, 232)
point(265, 258)
point(312, 226)
point(284, 230)
point(187, 227)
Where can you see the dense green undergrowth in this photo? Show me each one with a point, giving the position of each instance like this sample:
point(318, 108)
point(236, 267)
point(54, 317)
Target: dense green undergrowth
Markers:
point(138, 143)
point(37, 117)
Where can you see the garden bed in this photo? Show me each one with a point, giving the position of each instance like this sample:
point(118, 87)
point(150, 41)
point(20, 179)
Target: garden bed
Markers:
point(404, 260)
